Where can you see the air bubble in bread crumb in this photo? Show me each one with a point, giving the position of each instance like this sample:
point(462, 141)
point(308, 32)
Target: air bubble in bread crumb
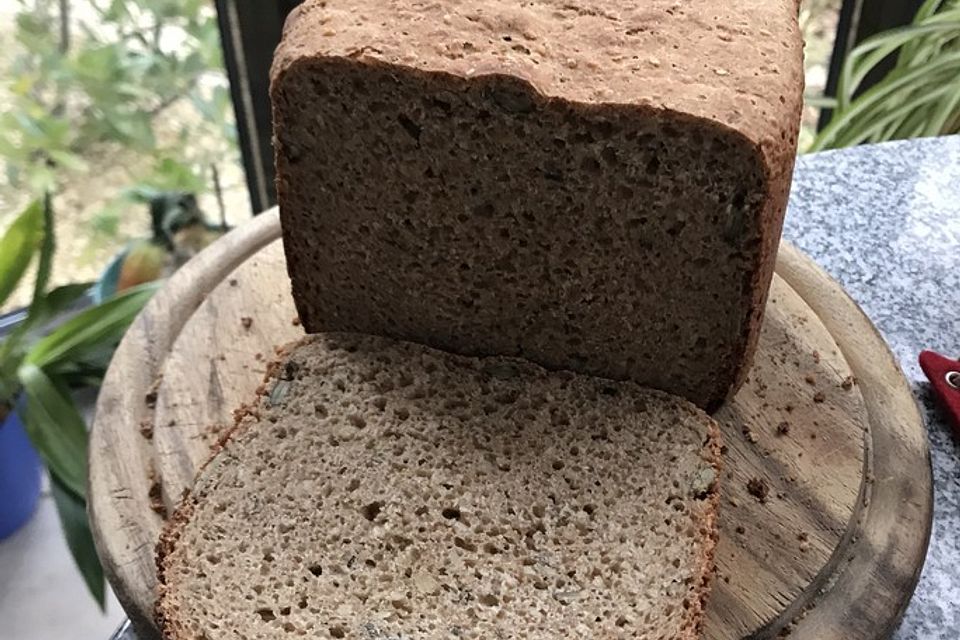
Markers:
point(372, 510)
point(357, 420)
point(489, 600)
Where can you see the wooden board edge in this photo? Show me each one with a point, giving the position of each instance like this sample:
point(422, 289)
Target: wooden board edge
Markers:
point(133, 372)
point(897, 436)
point(137, 367)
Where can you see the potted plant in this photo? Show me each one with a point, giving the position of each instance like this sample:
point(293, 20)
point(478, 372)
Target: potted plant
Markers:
point(919, 96)
point(54, 349)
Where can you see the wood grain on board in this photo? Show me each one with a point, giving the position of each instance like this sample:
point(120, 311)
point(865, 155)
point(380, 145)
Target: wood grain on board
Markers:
point(806, 534)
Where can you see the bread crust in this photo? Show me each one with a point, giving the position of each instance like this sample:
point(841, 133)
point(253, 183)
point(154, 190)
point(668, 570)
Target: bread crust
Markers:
point(244, 417)
point(743, 80)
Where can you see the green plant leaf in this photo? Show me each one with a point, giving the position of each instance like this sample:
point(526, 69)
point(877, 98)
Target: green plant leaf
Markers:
point(133, 128)
point(170, 174)
point(89, 372)
point(106, 222)
point(55, 428)
point(59, 299)
point(938, 121)
point(917, 41)
point(885, 118)
point(820, 102)
point(45, 263)
point(40, 178)
point(72, 510)
point(897, 83)
point(90, 329)
point(117, 11)
point(19, 243)
point(67, 160)
point(926, 11)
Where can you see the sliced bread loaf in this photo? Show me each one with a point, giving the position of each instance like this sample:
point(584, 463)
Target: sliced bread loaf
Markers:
point(597, 186)
point(382, 490)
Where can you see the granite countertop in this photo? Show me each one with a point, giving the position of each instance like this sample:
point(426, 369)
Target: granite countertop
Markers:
point(884, 220)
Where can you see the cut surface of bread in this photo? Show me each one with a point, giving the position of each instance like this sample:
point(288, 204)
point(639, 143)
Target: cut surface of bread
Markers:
point(592, 186)
point(380, 490)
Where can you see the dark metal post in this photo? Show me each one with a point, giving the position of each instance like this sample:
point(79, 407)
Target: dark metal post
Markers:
point(250, 31)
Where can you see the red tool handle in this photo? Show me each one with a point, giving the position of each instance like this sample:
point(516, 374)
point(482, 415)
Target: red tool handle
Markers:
point(944, 375)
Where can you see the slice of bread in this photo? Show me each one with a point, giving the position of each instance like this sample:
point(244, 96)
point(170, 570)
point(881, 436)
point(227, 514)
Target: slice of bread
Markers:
point(382, 490)
point(595, 186)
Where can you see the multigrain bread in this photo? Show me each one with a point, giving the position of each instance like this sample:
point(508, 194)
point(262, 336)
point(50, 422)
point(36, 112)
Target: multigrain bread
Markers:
point(597, 186)
point(380, 489)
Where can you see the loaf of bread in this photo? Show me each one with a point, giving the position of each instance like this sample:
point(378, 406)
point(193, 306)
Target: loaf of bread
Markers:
point(597, 186)
point(379, 489)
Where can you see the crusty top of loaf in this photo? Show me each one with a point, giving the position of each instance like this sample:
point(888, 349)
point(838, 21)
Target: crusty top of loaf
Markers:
point(737, 63)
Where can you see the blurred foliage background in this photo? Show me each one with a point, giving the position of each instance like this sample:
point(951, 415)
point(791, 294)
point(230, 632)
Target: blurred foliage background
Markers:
point(104, 104)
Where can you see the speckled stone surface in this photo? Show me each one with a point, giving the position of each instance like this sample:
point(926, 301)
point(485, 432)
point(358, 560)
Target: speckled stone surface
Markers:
point(884, 220)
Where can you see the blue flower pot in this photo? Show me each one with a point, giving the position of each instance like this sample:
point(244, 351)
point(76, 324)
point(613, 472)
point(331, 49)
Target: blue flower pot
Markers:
point(19, 476)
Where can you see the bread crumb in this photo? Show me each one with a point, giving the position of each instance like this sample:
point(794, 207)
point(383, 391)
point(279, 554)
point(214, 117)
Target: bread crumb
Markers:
point(848, 383)
point(247, 322)
point(757, 487)
point(819, 397)
point(816, 357)
point(809, 379)
point(749, 435)
point(804, 546)
point(146, 429)
point(802, 536)
point(296, 321)
point(783, 428)
point(733, 502)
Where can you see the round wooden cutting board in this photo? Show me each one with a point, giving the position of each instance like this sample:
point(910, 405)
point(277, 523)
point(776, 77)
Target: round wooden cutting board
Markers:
point(827, 489)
